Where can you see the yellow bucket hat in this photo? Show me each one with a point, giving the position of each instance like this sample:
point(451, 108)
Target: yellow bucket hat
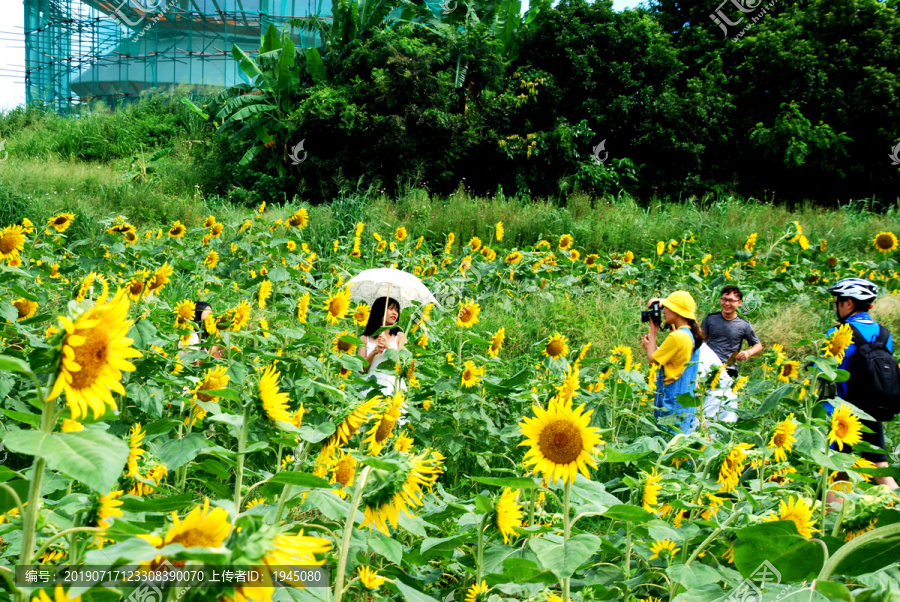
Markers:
point(682, 304)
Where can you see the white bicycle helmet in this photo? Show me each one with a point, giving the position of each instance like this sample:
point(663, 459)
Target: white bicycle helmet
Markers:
point(855, 288)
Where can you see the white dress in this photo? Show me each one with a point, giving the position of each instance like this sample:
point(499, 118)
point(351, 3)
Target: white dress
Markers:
point(388, 380)
point(719, 404)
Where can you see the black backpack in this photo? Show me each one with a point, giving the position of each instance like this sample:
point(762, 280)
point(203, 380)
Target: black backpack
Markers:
point(874, 383)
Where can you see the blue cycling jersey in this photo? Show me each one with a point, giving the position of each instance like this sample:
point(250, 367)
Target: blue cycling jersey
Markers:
point(869, 329)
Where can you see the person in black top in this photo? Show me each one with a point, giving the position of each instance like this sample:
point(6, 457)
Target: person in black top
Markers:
point(726, 331)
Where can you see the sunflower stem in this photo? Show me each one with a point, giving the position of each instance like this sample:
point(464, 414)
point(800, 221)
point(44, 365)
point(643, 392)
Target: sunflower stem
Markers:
point(286, 490)
point(32, 506)
point(840, 519)
point(567, 531)
point(628, 543)
point(824, 486)
point(348, 531)
point(531, 508)
point(242, 444)
point(479, 559)
point(183, 469)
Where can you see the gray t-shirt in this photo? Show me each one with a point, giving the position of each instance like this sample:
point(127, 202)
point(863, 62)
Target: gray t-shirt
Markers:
point(725, 336)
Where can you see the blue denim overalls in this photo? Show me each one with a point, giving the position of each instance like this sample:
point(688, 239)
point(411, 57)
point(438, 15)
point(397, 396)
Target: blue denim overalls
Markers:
point(666, 395)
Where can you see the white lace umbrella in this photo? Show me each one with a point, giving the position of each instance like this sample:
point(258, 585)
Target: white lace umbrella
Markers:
point(369, 285)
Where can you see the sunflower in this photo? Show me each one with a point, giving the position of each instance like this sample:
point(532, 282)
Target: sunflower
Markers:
point(12, 242)
point(846, 429)
point(61, 221)
point(109, 508)
point(556, 347)
point(184, 313)
point(450, 238)
point(349, 425)
point(121, 228)
point(751, 242)
point(803, 242)
point(343, 472)
point(303, 308)
point(473, 594)
point(337, 305)
point(177, 230)
point(798, 232)
point(560, 441)
point(885, 242)
point(651, 491)
point(135, 451)
point(160, 278)
point(383, 426)
point(403, 443)
point(399, 490)
point(300, 219)
point(837, 345)
point(733, 467)
point(275, 401)
point(497, 342)
point(471, 374)
point(798, 511)
point(509, 513)
point(25, 307)
point(94, 354)
point(241, 316)
point(369, 578)
point(211, 260)
point(341, 347)
point(661, 247)
point(130, 237)
point(467, 316)
point(361, 314)
point(209, 222)
point(70, 426)
point(622, 355)
point(214, 379)
point(475, 243)
point(664, 548)
point(265, 291)
point(783, 438)
point(566, 241)
point(789, 370)
point(201, 528)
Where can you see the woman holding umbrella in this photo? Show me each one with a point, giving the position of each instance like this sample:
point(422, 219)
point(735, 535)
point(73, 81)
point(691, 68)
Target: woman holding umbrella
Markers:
point(375, 347)
point(386, 290)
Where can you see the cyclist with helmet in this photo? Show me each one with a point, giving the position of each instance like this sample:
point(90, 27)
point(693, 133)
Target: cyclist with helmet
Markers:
point(852, 299)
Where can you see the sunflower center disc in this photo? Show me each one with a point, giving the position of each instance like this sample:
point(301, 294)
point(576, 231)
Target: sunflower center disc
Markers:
point(561, 442)
point(92, 356)
point(7, 243)
point(384, 429)
point(554, 349)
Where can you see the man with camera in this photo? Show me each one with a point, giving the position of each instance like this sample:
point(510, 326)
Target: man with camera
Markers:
point(678, 356)
point(726, 330)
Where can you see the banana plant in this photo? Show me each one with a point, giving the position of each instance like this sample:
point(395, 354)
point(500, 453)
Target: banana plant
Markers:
point(259, 110)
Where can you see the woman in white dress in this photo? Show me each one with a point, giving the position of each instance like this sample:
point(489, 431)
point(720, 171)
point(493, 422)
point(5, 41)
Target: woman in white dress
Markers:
point(375, 347)
point(200, 335)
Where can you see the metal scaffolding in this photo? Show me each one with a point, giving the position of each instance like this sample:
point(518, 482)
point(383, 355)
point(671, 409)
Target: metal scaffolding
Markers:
point(78, 50)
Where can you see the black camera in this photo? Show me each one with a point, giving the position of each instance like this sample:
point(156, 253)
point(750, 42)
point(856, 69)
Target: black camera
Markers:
point(654, 313)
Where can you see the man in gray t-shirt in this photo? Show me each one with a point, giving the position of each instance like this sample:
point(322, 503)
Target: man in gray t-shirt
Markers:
point(725, 331)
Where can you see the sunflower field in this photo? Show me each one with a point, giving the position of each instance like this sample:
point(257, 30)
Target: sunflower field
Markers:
point(538, 475)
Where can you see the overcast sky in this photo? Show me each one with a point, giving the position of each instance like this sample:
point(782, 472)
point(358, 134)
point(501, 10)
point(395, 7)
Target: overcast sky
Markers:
point(12, 49)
